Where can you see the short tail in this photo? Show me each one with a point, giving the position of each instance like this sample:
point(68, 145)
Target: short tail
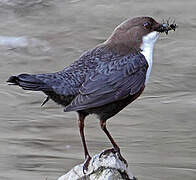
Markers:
point(28, 82)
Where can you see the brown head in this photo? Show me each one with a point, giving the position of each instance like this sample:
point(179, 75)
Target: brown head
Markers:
point(128, 36)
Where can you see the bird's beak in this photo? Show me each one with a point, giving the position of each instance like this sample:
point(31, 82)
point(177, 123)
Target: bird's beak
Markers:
point(165, 27)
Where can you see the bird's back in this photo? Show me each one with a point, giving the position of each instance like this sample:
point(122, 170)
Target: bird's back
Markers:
point(98, 77)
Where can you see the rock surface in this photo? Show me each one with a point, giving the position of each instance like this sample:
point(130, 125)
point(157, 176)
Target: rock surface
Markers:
point(105, 167)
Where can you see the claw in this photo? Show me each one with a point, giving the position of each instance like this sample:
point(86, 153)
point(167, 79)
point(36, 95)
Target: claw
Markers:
point(114, 151)
point(86, 163)
point(107, 151)
point(122, 159)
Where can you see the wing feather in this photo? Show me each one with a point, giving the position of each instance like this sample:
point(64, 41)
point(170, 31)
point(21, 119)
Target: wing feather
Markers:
point(111, 81)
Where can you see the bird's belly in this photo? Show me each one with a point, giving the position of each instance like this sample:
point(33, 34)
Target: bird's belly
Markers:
point(108, 110)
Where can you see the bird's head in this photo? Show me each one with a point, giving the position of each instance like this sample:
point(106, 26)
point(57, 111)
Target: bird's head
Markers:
point(129, 35)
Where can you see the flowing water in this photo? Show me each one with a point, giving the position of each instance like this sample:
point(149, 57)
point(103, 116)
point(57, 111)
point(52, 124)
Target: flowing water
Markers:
point(157, 133)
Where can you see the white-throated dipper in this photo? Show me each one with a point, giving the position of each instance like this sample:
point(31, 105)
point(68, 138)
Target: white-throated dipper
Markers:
point(105, 79)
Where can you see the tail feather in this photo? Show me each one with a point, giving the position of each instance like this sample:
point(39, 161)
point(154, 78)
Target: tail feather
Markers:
point(28, 82)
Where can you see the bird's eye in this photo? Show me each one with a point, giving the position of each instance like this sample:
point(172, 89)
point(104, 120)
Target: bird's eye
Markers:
point(147, 25)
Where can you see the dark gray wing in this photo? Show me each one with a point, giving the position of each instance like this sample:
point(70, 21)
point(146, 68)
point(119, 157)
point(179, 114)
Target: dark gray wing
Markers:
point(68, 81)
point(111, 81)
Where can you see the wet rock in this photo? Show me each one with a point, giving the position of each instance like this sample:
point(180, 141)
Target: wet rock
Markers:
point(105, 167)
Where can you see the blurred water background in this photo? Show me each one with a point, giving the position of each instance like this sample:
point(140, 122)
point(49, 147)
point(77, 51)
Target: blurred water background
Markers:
point(157, 133)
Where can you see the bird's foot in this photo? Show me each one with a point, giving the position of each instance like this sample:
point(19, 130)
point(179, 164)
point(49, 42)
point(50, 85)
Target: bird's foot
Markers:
point(107, 151)
point(114, 151)
point(86, 163)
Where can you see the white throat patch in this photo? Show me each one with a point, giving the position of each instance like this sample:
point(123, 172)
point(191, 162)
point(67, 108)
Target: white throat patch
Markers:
point(147, 46)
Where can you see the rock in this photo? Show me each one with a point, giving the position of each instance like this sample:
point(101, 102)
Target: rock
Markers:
point(106, 167)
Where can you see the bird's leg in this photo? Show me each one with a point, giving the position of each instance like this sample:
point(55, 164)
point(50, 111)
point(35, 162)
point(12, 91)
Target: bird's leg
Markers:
point(86, 154)
point(116, 148)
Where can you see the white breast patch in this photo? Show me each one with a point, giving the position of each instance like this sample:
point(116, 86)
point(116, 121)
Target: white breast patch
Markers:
point(147, 46)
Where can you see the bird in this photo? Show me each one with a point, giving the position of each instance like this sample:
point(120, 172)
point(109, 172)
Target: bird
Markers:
point(104, 79)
